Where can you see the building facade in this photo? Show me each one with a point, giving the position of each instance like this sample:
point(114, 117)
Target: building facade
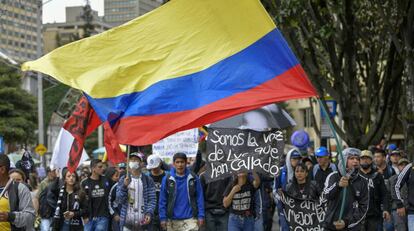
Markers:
point(61, 33)
point(118, 12)
point(18, 27)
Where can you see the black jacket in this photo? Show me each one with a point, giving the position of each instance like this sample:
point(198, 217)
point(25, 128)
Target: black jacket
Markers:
point(378, 194)
point(74, 202)
point(356, 204)
point(406, 177)
point(310, 192)
point(214, 192)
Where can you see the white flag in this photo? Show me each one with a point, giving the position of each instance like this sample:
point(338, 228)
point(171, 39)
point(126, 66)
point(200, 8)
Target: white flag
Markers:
point(61, 151)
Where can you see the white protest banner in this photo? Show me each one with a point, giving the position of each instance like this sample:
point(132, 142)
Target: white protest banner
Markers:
point(185, 142)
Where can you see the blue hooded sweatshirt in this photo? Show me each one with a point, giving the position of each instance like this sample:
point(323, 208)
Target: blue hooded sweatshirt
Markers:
point(182, 205)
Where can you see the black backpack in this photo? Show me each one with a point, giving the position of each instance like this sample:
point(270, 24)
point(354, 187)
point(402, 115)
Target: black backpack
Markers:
point(45, 211)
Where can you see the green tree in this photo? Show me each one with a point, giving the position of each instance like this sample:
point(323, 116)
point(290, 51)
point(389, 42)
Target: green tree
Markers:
point(87, 16)
point(353, 51)
point(18, 117)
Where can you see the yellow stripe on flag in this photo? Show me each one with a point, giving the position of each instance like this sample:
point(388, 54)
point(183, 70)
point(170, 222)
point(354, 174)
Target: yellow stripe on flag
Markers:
point(179, 38)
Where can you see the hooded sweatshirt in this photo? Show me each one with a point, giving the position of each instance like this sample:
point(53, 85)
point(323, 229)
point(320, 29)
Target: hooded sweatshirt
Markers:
point(182, 204)
point(286, 174)
point(356, 200)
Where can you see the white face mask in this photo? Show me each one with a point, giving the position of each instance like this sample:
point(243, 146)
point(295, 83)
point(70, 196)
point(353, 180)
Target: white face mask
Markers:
point(134, 165)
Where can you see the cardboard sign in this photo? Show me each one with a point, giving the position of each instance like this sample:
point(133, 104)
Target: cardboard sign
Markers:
point(185, 142)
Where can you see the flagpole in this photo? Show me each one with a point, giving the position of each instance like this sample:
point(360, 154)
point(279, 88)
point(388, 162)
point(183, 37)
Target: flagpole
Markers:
point(127, 164)
point(339, 150)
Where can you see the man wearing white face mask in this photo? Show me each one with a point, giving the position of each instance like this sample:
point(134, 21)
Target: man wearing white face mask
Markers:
point(136, 196)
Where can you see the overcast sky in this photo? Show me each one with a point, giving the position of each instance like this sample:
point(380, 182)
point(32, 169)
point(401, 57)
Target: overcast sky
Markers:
point(54, 11)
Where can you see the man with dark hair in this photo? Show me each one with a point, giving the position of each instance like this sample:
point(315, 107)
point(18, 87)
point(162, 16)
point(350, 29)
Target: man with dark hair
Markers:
point(380, 159)
point(324, 167)
point(217, 216)
point(45, 211)
point(357, 194)
point(154, 164)
point(181, 198)
point(406, 177)
point(16, 207)
point(399, 222)
point(395, 156)
point(97, 189)
point(378, 194)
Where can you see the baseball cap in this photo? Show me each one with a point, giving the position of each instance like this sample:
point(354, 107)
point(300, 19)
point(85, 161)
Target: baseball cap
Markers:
point(321, 152)
point(366, 153)
point(153, 161)
point(392, 147)
point(137, 154)
point(395, 152)
point(403, 161)
point(295, 154)
point(122, 165)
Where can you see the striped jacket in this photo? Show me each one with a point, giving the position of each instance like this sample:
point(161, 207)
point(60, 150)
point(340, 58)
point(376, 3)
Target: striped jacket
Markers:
point(150, 199)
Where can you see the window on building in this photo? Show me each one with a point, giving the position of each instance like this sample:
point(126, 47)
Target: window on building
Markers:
point(307, 117)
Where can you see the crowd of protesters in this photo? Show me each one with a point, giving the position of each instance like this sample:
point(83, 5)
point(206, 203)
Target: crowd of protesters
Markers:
point(147, 194)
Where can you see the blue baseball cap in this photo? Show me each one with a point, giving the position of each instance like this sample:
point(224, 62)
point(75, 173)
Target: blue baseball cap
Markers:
point(321, 152)
point(295, 154)
point(392, 147)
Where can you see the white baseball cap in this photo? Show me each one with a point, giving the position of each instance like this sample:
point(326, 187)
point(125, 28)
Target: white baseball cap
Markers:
point(153, 161)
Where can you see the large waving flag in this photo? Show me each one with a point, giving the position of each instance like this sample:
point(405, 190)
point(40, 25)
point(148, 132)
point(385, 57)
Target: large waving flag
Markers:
point(184, 65)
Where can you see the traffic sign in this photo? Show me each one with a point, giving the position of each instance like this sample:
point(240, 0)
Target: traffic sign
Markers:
point(40, 149)
point(1, 145)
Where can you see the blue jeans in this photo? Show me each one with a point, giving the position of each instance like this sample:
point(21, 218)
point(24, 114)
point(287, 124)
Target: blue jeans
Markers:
point(258, 224)
point(240, 223)
point(97, 224)
point(389, 225)
point(65, 226)
point(45, 224)
point(216, 221)
point(283, 224)
point(410, 218)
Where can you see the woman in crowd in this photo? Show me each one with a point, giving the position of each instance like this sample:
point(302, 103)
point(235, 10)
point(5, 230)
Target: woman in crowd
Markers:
point(240, 197)
point(301, 187)
point(71, 206)
point(17, 175)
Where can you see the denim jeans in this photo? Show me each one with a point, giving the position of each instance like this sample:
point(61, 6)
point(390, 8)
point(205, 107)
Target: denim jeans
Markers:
point(400, 223)
point(410, 218)
point(216, 221)
point(258, 224)
point(97, 224)
point(240, 223)
point(45, 224)
point(283, 224)
point(65, 226)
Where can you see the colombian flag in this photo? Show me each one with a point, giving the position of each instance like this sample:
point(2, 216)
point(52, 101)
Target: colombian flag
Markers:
point(184, 65)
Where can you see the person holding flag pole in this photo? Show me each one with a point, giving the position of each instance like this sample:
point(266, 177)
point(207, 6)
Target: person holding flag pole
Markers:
point(352, 204)
point(135, 194)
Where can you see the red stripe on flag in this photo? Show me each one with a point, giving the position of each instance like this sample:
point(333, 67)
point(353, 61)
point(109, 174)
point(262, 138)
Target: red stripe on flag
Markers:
point(114, 152)
point(144, 130)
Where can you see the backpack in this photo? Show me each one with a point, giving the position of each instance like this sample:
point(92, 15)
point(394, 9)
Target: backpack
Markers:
point(45, 211)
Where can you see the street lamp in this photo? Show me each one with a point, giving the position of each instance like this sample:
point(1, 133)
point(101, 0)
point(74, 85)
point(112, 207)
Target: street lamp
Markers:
point(39, 52)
